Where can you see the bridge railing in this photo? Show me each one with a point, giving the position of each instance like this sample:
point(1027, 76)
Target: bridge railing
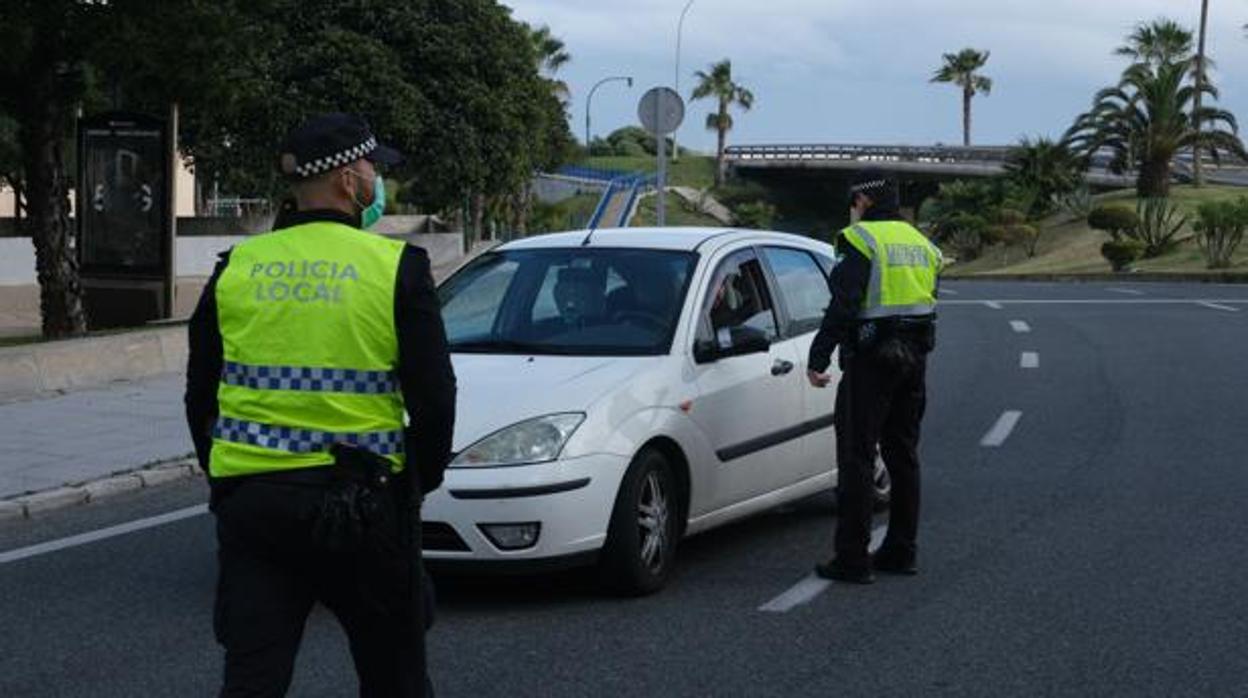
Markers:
point(869, 153)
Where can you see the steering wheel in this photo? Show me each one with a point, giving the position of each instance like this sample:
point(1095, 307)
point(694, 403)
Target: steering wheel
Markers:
point(645, 319)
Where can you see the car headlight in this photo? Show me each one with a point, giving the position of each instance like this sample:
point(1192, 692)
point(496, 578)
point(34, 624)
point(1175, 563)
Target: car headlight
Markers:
point(534, 441)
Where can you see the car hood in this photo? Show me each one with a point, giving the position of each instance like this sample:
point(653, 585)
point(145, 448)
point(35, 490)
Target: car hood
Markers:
point(497, 391)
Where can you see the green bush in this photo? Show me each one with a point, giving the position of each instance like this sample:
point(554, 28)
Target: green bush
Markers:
point(1077, 204)
point(1160, 222)
point(1220, 229)
point(1119, 221)
point(758, 215)
point(1122, 253)
point(965, 233)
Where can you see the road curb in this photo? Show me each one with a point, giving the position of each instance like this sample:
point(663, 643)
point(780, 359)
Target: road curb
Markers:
point(31, 505)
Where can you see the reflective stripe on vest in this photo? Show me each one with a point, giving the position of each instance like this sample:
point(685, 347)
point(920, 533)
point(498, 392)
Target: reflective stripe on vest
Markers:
point(898, 299)
point(296, 440)
point(330, 380)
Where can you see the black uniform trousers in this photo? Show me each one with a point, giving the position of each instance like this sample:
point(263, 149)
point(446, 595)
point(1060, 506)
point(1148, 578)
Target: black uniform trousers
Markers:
point(882, 403)
point(272, 571)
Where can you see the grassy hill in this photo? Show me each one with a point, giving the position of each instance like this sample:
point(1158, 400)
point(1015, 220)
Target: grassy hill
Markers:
point(1071, 247)
point(697, 171)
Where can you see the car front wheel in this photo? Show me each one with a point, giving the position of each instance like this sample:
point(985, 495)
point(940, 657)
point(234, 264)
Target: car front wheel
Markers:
point(641, 542)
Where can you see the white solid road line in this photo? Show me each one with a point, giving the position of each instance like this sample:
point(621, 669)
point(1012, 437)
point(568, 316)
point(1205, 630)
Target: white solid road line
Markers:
point(102, 534)
point(1029, 359)
point(1218, 306)
point(1020, 326)
point(1128, 291)
point(1001, 430)
point(948, 292)
point(996, 305)
point(813, 585)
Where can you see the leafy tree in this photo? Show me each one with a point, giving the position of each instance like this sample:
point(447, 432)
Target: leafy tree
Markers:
point(718, 84)
point(453, 83)
point(962, 69)
point(1147, 120)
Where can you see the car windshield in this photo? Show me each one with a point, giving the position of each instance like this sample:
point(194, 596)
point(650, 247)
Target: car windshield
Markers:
point(599, 302)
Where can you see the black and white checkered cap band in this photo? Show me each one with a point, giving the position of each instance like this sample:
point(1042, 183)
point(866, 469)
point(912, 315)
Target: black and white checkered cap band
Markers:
point(309, 379)
point(330, 162)
point(295, 440)
point(863, 187)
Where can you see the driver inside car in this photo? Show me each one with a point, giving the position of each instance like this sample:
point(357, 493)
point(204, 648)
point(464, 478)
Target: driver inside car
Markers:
point(580, 296)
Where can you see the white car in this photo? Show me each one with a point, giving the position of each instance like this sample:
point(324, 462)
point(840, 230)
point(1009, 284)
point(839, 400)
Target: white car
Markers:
point(623, 388)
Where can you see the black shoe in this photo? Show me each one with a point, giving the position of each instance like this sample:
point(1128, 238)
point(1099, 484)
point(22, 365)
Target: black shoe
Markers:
point(890, 563)
point(840, 573)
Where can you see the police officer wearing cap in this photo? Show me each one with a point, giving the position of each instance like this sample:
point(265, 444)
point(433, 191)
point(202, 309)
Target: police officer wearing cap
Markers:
point(321, 401)
point(883, 317)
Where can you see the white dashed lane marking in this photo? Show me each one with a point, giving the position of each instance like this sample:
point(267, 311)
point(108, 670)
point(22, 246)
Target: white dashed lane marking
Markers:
point(1020, 327)
point(1218, 306)
point(1001, 430)
point(1127, 291)
point(992, 304)
point(812, 585)
point(1029, 359)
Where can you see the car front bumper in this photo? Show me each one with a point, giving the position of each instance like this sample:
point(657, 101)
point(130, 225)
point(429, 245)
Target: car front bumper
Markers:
point(571, 500)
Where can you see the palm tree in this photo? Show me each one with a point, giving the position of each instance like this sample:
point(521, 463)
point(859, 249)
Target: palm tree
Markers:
point(718, 83)
point(1149, 118)
point(960, 69)
point(551, 55)
point(1048, 168)
point(1157, 43)
point(1198, 171)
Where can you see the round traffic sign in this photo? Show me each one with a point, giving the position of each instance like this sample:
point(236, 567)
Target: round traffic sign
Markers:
point(661, 111)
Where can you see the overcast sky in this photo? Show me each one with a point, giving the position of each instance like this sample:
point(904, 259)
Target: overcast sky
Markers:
point(858, 72)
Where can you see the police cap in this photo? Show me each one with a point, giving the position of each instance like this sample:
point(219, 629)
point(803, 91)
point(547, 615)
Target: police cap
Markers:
point(328, 141)
point(877, 184)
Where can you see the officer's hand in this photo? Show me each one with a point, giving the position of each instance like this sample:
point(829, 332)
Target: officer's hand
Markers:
point(817, 379)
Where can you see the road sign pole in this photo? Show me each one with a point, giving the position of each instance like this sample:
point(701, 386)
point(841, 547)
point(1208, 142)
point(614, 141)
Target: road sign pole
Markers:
point(661, 208)
point(661, 110)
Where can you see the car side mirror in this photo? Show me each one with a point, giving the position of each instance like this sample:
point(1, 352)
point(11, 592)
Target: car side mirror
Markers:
point(735, 341)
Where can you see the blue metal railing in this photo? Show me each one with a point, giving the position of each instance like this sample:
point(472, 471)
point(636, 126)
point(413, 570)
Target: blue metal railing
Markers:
point(634, 182)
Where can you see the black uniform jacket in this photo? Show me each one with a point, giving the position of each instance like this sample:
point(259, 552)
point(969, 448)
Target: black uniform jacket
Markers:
point(426, 378)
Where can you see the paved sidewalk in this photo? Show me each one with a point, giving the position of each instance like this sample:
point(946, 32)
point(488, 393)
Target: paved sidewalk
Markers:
point(91, 434)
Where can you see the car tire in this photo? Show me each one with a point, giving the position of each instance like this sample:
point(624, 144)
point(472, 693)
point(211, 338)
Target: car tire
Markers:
point(640, 551)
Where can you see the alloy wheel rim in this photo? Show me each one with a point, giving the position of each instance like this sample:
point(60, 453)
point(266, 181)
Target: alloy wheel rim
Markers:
point(652, 521)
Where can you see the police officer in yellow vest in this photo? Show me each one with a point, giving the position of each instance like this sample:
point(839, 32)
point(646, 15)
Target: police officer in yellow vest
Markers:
point(321, 400)
point(883, 317)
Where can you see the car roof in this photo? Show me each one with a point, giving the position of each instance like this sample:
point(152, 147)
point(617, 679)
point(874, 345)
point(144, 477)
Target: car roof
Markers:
point(684, 239)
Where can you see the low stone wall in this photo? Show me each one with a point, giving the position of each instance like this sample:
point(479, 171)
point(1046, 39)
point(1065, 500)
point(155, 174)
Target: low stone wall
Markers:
point(35, 369)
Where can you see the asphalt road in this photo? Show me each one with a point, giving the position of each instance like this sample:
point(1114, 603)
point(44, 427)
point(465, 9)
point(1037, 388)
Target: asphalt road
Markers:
point(1100, 549)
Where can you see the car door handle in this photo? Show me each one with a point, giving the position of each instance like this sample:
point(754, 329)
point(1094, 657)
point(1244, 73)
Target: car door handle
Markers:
point(781, 367)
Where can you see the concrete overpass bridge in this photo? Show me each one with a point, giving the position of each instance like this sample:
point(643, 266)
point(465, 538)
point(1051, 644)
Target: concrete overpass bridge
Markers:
point(816, 176)
point(938, 162)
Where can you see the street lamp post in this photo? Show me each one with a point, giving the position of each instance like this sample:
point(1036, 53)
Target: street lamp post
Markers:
point(590, 100)
point(680, 28)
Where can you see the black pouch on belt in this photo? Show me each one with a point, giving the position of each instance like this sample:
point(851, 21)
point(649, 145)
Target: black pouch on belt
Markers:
point(358, 505)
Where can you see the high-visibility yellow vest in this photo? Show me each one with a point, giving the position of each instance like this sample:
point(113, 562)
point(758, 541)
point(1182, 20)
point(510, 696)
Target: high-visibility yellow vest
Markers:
point(310, 348)
point(904, 268)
